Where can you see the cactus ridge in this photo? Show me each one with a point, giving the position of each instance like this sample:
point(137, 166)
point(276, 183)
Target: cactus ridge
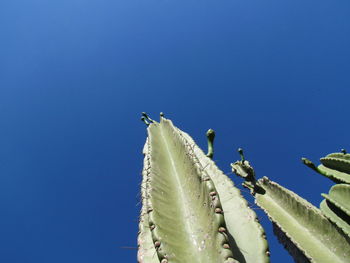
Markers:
point(146, 251)
point(179, 225)
point(303, 224)
point(333, 174)
point(344, 156)
point(336, 216)
point(339, 196)
point(340, 164)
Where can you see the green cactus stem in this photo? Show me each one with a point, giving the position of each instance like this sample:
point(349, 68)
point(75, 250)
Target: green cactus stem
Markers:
point(301, 227)
point(241, 221)
point(210, 137)
point(193, 211)
point(332, 172)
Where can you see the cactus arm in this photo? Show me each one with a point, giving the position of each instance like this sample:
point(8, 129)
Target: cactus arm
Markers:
point(333, 174)
point(146, 251)
point(248, 237)
point(338, 217)
point(302, 224)
point(184, 219)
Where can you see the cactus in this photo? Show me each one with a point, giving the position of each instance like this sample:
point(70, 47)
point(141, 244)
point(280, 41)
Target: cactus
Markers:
point(336, 205)
point(191, 211)
point(334, 166)
point(303, 229)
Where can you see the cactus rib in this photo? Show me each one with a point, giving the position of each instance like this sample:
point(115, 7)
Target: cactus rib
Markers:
point(335, 215)
point(339, 196)
point(146, 251)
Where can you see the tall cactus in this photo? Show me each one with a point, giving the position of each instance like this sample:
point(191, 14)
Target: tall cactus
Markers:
point(302, 228)
point(191, 211)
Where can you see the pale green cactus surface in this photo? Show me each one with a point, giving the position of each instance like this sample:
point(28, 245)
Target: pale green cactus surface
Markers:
point(303, 229)
point(191, 211)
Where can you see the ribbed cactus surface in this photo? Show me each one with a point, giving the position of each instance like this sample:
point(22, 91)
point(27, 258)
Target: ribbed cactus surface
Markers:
point(303, 229)
point(191, 211)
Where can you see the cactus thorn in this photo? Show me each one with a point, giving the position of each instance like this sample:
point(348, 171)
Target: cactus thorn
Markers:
point(227, 246)
point(210, 137)
point(343, 151)
point(144, 120)
point(240, 151)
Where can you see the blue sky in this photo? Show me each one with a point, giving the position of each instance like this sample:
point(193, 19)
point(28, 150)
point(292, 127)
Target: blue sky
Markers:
point(269, 76)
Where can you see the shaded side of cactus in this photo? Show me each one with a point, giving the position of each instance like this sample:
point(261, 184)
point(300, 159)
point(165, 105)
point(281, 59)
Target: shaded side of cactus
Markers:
point(185, 212)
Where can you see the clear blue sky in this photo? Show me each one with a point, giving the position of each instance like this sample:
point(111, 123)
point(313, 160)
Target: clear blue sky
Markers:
point(269, 76)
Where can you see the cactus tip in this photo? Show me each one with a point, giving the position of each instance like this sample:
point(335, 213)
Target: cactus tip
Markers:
point(240, 151)
point(308, 163)
point(343, 151)
point(161, 114)
point(210, 136)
